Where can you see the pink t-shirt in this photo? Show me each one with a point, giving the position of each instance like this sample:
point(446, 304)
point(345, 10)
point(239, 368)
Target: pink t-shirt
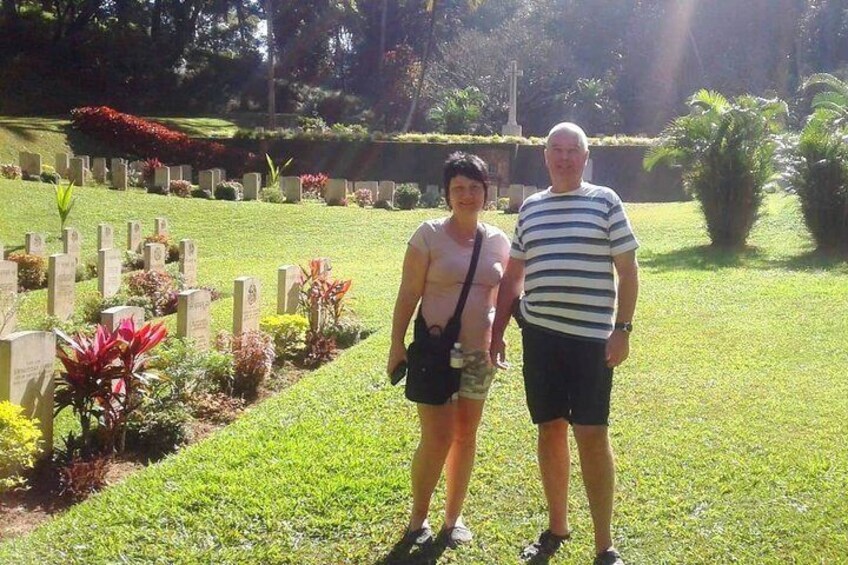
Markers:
point(448, 266)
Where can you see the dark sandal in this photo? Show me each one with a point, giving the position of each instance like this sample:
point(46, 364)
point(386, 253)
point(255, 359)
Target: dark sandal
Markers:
point(548, 544)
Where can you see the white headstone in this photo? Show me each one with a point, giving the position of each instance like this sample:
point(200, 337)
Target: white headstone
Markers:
point(72, 243)
point(30, 163)
point(154, 257)
point(218, 176)
point(108, 272)
point(113, 164)
point(86, 162)
point(34, 244)
point(252, 182)
point(188, 262)
point(105, 236)
point(588, 170)
point(111, 318)
point(193, 316)
point(516, 196)
point(370, 186)
point(162, 177)
point(99, 170)
point(386, 191)
point(176, 172)
point(61, 278)
point(207, 180)
point(186, 172)
point(63, 164)
point(134, 236)
point(160, 226)
point(26, 377)
point(292, 189)
point(288, 289)
point(77, 171)
point(120, 179)
point(336, 191)
point(247, 307)
point(8, 297)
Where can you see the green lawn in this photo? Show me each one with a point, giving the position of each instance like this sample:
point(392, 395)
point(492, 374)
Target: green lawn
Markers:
point(728, 420)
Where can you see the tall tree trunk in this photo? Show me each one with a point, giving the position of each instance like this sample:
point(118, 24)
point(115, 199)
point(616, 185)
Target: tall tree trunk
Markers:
point(425, 62)
point(272, 87)
point(383, 19)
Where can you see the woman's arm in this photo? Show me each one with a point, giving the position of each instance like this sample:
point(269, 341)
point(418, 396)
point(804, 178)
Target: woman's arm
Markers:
point(415, 265)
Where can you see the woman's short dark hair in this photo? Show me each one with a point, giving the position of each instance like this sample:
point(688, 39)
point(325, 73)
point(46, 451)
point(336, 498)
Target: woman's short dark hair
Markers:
point(467, 165)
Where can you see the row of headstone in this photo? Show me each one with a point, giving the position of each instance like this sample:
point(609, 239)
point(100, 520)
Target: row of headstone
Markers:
point(34, 243)
point(30, 163)
point(518, 193)
point(211, 178)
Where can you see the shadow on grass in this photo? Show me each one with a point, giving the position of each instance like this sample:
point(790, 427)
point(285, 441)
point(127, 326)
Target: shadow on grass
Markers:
point(82, 144)
point(707, 258)
point(404, 553)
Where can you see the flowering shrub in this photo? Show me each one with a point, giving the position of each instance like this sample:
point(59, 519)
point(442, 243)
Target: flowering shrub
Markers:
point(181, 188)
point(320, 349)
point(229, 190)
point(288, 332)
point(363, 197)
point(320, 293)
point(158, 287)
point(10, 171)
point(313, 185)
point(148, 169)
point(407, 196)
point(172, 248)
point(82, 476)
point(130, 134)
point(32, 270)
point(253, 357)
point(19, 437)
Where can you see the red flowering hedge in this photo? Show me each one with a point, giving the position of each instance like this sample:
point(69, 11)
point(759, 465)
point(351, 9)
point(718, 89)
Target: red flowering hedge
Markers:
point(146, 139)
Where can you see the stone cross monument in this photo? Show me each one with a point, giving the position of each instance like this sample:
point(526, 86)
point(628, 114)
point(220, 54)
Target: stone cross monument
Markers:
point(512, 127)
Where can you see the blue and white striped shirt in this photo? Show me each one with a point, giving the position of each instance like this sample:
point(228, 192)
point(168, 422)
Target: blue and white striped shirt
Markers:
point(567, 242)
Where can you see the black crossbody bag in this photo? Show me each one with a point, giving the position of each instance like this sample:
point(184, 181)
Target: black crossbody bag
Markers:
point(430, 378)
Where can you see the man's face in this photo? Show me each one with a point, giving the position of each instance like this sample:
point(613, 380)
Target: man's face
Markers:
point(565, 159)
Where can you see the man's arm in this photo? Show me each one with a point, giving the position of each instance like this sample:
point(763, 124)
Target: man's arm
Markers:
point(627, 268)
point(509, 289)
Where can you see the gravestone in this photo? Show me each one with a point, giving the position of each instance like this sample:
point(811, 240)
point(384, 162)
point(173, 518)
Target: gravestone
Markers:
point(219, 176)
point(530, 191)
point(386, 191)
point(432, 189)
point(63, 164)
point(30, 163)
point(246, 305)
point(252, 183)
point(207, 180)
point(160, 226)
point(588, 170)
point(370, 186)
point(72, 243)
point(34, 244)
point(188, 262)
point(108, 272)
point(99, 171)
point(77, 171)
point(516, 196)
point(86, 161)
point(113, 164)
point(186, 172)
point(175, 172)
point(120, 178)
point(105, 236)
point(288, 289)
point(111, 318)
point(134, 236)
point(61, 278)
point(292, 189)
point(162, 177)
point(336, 191)
point(154, 257)
point(8, 297)
point(26, 377)
point(193, 316)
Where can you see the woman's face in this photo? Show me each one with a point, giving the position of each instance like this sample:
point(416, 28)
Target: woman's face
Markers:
point(466, 195)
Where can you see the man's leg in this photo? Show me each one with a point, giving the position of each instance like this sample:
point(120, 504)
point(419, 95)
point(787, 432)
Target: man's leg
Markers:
point(436, 436)
point(460, 460)
point(598, 470)
point(555, 465)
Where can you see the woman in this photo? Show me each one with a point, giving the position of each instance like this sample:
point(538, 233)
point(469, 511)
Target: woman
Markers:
point(434, 270)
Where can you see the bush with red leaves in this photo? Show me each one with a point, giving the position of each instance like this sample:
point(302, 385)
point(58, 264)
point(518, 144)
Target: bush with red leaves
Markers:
point(140, 137)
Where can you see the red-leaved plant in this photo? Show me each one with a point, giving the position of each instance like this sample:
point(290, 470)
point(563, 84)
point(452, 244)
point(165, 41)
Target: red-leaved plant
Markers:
point(105, 378)
point(321, 297)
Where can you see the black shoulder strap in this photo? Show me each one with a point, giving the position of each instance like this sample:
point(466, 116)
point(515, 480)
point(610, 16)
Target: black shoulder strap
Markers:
point(466, 286)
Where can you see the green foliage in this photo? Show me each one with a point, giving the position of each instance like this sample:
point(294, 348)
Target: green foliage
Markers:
point(91, 307)
point(821, 181)
point(64, 202)
point(407, 196)
point(185, 371)
point(19, 439)
point(158, 427)
point(459, 112)
point(288, 332)
point(271, 195)
point(229, 190)
point(347, 332)
point(275, 172)
point(180, 188)
point(253, 357)
point(432, 199)
point(50, 177)
point(726, 150)
point(32, 270)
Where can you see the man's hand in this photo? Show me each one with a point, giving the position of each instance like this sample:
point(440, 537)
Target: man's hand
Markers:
point(497, 352)
point(397, 353)
point(618, 348)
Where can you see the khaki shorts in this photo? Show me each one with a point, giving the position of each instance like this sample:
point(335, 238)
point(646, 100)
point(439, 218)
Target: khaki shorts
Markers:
point(477, 374)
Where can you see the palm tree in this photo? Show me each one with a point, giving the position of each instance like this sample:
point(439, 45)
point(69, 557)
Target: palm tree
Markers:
point(832, 98)
point(726, 150)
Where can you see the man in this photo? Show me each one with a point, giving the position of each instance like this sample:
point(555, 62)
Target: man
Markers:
point(568, 240)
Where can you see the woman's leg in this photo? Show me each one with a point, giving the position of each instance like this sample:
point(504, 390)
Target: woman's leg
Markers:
point(460, 460)
point(437, 423)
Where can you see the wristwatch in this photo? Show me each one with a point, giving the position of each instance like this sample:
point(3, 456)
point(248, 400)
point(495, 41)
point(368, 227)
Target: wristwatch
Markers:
point(626, 327)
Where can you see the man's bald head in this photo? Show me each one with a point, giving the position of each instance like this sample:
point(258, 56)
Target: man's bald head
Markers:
point(571, 129)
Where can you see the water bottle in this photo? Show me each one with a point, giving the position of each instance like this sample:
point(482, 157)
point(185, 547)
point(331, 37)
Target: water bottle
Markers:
point(456, 360)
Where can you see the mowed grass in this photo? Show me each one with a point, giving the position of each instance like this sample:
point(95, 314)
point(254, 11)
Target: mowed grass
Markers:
point(728, 420)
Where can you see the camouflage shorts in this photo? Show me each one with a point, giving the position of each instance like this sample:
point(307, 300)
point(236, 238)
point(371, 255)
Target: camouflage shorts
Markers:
point(477, 373)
